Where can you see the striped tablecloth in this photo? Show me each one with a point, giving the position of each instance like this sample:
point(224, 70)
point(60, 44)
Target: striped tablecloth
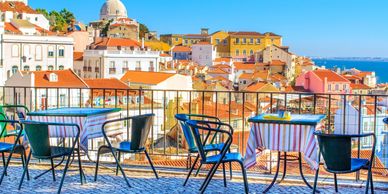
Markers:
point(90, 126)
point(284, 137)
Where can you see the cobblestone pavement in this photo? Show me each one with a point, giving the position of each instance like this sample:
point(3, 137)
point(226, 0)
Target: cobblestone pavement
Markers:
point(142, 182)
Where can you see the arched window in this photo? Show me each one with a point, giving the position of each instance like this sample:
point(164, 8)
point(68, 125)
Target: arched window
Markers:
point(61, 67)
point(14, 69)
point(50, 68)
point(237, 52)
point(26, 50)
point(15, 50)
point(244, 52)
point(26, 68)
point(251, 52)
point(38, 68)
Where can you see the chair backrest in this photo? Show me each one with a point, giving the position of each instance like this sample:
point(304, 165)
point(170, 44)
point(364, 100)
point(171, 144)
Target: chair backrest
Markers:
point(336, 151)
point(182, 118)
point(385, 120)
point(38, 137)
point(197, 137)
point(3, 125)
point(141, 126)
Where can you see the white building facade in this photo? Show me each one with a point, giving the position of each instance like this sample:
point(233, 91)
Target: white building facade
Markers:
point(204, 53)
point(34, 53)
point(114, 63)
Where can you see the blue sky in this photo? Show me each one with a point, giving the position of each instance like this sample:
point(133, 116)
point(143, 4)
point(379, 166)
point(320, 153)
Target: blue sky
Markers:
point(328, 28)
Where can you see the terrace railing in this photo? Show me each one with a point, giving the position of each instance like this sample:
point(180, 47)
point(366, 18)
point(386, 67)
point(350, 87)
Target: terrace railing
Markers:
point(166, 140)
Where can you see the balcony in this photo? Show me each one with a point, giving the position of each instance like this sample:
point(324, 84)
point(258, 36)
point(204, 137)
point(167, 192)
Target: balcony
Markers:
point(169, 150)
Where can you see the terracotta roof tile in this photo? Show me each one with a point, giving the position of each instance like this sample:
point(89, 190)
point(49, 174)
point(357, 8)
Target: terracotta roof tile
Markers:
point(256, 87)
point(181, 49)
point(78, 56)
point(359, 86)
point(222, 59)
point(18, 7)
point(330, 75)
point(242, 65)
point(145, 77)
point(217, 71)
point(8, 27)
point(277, 63)
point(106, 83)
point(66, 78)
point(245, 33)
point(114, 42)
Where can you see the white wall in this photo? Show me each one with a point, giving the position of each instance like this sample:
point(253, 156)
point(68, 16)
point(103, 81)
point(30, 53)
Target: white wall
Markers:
point(203, 54)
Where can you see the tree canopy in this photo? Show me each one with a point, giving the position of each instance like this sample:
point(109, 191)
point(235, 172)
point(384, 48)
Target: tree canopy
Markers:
point(59, 21)
point(143, 29)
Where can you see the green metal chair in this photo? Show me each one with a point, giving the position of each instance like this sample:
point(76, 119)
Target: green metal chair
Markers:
point(192, 148)
point(17, 110)
point(336, 151)
point(140, 128)
point(220, 158)
point(39, 141)
point(11, 148)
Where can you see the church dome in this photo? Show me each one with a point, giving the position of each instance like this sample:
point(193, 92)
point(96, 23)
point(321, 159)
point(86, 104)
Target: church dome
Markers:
point(113, 9)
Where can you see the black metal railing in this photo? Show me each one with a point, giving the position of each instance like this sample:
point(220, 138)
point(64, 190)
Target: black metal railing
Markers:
point(230, 106)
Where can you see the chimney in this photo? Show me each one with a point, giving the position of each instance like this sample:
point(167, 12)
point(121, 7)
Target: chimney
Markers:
point(205, 31)
point(142, 43)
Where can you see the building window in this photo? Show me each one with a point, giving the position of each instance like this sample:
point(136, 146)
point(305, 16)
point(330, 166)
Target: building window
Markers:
point(251, 42)
point(237, 41)
point(14, 69)
point(329, 87)
point(244, 52)
point(50, 51)
point(53, 77)
point(26, 68)
point(61, 52)
point(38, 68)
point(258, 41)
point(50, 68)
point(138, 66)
point(186, 42)
point(251, 52)
point(225, 42)
point(237, 52)
point(244, 40)
point(152, 67)
point(125, 66)
point(26, 51)
point(112, 67)
point(61, 67)
point(336, 87)
point(38, 53)
point(176, 39)
point(217, 41)
point(15, 50)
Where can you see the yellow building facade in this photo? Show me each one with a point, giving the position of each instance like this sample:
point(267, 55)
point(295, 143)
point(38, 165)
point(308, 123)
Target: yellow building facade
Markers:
point(172, 39)
point(242, 44)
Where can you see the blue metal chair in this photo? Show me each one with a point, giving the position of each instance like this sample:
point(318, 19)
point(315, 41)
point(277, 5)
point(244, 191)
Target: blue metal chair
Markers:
point(192, 148)
point(336, 151)
point(39, 141)
point(221, 158)
point(140, 128)
point(17, 110)
point(11, 148)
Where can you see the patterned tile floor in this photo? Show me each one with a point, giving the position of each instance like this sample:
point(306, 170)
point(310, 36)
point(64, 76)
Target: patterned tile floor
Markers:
point(143, 181)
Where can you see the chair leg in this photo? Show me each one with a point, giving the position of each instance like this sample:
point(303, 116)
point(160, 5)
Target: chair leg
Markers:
point(223, 171)
point(367, 182)
point(24, 171)
point(81, 172)
point(335, 182)
point(64, 173)
point(97, 162)
point(315, 180)
point(284, 167)
point(230, 170)
point(24, 161)
point(52, 168)
point(211, 174)
point(191, 170)
point(152, 165)
point(2, 156)
point(246, 187)
point(371, 184)
point(276, 175)
point(207, 177)
point(117, 166)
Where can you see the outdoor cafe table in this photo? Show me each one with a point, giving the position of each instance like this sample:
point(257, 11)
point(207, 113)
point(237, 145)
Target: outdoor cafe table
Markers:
point(90, 121)
point(294, 135)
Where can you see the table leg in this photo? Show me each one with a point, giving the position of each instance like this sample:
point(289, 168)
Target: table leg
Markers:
point(276, 175)
point(301, 171)
point(284, 167)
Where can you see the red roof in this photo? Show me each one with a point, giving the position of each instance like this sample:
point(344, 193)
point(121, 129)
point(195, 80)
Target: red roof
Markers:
point(164, 55)
point(242, 65)
point(181, 49)
point(222, 59)
point(114, 42)
point(359, 86)
point(330, 75)
point(106, 83)
point(8, 27)
point(78, 56)
point(146, 77)
point(18, 7)
point(277, 63)
point(217, 71)
point(65, 78)
point(245, 33)
point(364, 74)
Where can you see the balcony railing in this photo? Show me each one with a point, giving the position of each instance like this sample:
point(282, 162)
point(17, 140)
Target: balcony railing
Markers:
point(232, 107)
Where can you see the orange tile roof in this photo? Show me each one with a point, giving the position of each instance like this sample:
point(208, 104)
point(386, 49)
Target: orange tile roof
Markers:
point(246, 76)
point(122, 24)
point(295, 89)
point(18, 7)
point(277, 63)
point(78, 56)
point(106, 83)
point(203, 43)
point(242, 65)
point(219, 78)
point(44, 31)
point(359, 86)
point(124, 20)
point(66, 78)
point(255, 87)
point(221, 66)
point(222, 59)
point(363, 74)
point(217, 71)
point(245, 33)
point(8, 27)
point(352, 77)
point(330, 75)
point(261, 74)
point(164, 55)
point(146, 77)
point(114, 42)
point(271, 34)
point(181, 49)
point(278, 77)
